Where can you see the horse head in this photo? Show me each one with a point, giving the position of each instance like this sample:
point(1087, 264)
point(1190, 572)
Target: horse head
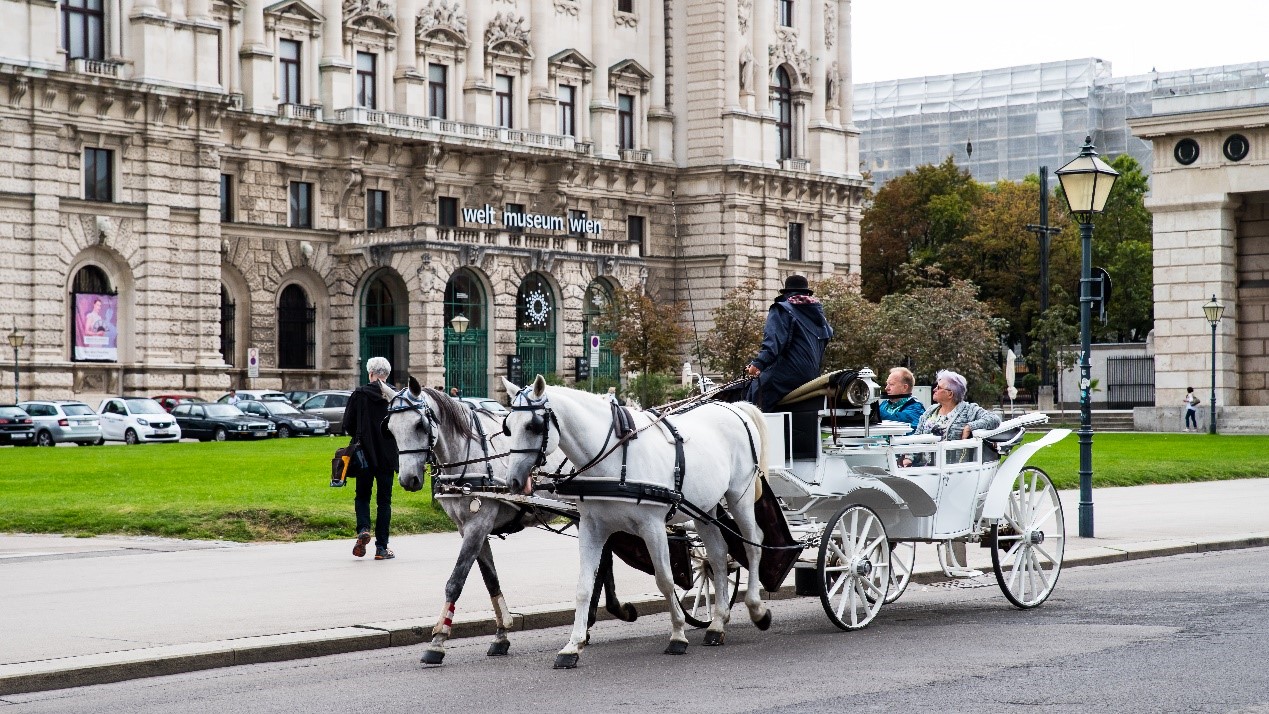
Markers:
point(412, 423)
point(533, 430)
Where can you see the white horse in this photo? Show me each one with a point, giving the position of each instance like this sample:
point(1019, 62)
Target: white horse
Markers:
point(429, 426)
point(723, 452)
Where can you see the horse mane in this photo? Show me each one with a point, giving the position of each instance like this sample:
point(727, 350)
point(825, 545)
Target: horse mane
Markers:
point(453, 415)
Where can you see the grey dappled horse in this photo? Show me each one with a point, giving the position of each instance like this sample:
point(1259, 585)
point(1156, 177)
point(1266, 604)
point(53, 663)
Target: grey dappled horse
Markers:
point(431, 426)
point(724, 447)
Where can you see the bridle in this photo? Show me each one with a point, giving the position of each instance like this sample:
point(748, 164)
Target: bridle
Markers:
point(404, 402)
point(524, 403)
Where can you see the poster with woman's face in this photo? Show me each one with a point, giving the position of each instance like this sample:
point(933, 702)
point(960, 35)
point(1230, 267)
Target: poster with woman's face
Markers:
point(97, 327)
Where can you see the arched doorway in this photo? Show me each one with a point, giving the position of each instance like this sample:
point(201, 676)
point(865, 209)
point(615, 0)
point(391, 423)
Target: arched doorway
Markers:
point(297, 329)
point(467, 352)
point(385, 328)
point(228, 315)
point(94, 315)
point(535, 326)
point(598, 298)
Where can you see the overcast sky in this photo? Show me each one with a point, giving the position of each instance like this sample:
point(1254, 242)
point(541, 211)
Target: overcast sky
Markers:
point(913, 38)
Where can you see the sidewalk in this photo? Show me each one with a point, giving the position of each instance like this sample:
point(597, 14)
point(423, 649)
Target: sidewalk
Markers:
point(84, 611)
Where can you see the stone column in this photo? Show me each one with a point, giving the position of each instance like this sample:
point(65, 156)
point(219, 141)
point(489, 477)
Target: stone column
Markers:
point(660, 120)
point(336, 70)
point(732, 45)
point(477, 102)
point(819, 62)
point(603, 110)
point(199, 9)
point(256, 62)
point(845, 75)
point(542, 102)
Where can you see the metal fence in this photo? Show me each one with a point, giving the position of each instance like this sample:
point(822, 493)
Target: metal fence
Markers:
point(1129, 382)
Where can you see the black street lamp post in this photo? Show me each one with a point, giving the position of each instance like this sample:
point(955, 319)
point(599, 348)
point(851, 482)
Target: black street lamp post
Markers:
point(1213, 312)
point(1086, 181)
point(15, 340)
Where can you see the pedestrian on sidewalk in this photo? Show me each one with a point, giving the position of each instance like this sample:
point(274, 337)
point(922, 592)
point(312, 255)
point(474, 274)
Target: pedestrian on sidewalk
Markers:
point(1191, 409)
point(366, 411)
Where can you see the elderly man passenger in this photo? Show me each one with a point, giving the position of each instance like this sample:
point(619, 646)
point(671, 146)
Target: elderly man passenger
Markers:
point(952, 417)
point(899, 404)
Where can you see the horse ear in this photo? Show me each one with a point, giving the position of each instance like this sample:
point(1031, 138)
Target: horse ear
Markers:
point(510, 386)
point(415, 388)
point(387, 393)
point(539, 387)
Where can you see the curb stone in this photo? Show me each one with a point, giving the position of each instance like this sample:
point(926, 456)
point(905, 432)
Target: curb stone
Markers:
point(105, 668)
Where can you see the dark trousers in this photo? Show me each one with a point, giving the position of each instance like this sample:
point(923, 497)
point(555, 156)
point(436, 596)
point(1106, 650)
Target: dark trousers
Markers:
point(1190, 419)
point(383, 502)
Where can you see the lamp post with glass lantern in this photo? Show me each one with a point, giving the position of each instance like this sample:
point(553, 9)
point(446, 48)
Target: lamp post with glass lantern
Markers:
point(459, 323)
point(1213, 312)
point(16, 339)
point(1086, 182)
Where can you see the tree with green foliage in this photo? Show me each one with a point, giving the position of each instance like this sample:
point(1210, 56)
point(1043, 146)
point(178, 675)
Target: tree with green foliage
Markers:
point(860, 336)
point(648, 333)
point(737, 332)
point(1123, 244)
point(911, 219)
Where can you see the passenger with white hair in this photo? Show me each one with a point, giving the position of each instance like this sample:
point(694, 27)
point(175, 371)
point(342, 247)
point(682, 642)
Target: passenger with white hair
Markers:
point(952, 417)
point(362, 420)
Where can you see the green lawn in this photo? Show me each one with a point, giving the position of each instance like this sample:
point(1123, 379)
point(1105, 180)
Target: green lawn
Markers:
point(243, 491)
point(277, 490)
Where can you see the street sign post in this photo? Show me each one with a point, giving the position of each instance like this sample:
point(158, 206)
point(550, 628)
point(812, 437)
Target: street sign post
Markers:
point(594, 359)
point(253, 363)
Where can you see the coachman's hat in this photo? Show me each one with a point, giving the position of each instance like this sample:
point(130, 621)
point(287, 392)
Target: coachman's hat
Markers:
point(796, 284)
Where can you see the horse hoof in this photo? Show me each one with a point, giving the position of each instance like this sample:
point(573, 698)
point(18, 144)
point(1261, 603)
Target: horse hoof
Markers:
point(676, 648)
point(565, 661)
point(433, 656)
point(499, 648)
point(763, 623)
point(714, 639)
point(628, 613)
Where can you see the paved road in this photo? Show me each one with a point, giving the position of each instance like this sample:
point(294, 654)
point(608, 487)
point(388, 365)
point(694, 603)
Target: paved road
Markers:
point(1186, 633)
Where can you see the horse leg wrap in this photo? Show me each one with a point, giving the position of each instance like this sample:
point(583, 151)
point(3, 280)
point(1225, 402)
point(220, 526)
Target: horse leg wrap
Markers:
point(502, 613)
point(676, 647)
point(714, 638)
point(446, 621)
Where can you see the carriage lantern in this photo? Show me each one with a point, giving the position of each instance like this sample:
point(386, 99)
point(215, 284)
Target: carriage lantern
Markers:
point(1086, 183)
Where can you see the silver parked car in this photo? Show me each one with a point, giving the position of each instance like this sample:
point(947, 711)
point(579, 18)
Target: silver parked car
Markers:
point(329, 405)
point(64, 421)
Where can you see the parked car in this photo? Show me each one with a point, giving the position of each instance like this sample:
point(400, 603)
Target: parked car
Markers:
point(297, 396)
point(490, 405)
point(134, 420)
point(288, 420)
point(62, 421)
point(330, 406)
point(169, 401)
point(16, 426)
point(259, 395)
point(220, 422)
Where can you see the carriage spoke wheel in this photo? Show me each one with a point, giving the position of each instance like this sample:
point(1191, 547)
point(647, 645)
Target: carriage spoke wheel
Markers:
point(902, 562)
point(854, 567)
point(698, 601)
point(1028, 542)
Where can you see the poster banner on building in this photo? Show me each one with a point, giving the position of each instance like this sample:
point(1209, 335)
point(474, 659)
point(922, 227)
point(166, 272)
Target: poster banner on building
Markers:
point(96, 327)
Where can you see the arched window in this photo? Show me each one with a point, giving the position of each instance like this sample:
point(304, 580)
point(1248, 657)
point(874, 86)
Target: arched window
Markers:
point(297, 330)
point(535, 326)
point(91, 279)
point(227, 342)
point(385, 331)
point(94, 316)
point(466, 352)
point(598, 299)
point(782, 104)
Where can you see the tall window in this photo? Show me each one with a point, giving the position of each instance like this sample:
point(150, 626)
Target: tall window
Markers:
point(795, 241)
point(289, 72)
point(625, 5)
point(297, 330)
point(227, 343)
point(576, 218)
point(516, 208)
point(226, 198)
point(447, 211)
point(625, 121)
point(568, 110)
point(503, 96)
point(83, 29)
point(366, 80)
point(634, 231)
point(437, 86)
point(782, 99)
point(786, 13)
point(301, 204)
point(376, 209)
point(99, 175)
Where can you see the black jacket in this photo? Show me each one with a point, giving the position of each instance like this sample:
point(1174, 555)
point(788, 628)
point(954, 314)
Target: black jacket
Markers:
point(792, 353)
point(363, 421)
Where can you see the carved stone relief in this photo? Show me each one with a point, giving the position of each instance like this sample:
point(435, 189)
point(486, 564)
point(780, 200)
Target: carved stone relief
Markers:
point(566, 7)
point(438, 14)
point(378, 8)
point(506, 26)
point(787, 52)
point(746, 11)
point(746, 70)
point(830, 25)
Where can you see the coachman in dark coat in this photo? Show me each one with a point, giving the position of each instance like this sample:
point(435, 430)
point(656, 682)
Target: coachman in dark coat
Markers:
point(793, 343)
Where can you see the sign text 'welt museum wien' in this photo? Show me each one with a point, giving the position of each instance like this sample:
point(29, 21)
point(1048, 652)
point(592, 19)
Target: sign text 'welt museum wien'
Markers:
point(488, 216)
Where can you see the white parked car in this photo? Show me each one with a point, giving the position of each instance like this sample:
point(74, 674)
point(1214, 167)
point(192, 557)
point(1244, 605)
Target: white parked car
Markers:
point(134, 420)
point(489, 405)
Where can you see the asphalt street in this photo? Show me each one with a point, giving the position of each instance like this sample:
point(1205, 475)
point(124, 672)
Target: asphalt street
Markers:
point(1187, 633)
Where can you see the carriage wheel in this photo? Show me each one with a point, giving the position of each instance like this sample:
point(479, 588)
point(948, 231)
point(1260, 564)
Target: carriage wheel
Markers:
point(854, 567)
point(902, 562)
point(1028, 542)
point(698, 601)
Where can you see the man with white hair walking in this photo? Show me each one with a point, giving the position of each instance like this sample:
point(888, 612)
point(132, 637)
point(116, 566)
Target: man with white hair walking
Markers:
point(365, 413)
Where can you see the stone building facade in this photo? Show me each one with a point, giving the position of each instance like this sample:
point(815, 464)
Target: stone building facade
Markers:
point(1209, 196)
point(314, 182)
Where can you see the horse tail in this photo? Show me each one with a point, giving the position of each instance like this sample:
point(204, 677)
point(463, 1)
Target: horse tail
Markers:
point(760, 440)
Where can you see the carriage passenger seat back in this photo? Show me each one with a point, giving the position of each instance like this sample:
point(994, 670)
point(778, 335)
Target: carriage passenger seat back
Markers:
point(999, 445)
point(805, 416)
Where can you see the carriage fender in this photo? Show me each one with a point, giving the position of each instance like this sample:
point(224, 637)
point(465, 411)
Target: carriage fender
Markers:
point(877, 496)
point(1002, 483)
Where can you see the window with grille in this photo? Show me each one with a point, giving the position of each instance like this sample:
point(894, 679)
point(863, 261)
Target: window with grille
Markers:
point(297, 330)
point(437, 87)
point(289, 72)
point(301, 204)
point(366, 80)
point(99, 175)
point(83, 29)
point(376, 209)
